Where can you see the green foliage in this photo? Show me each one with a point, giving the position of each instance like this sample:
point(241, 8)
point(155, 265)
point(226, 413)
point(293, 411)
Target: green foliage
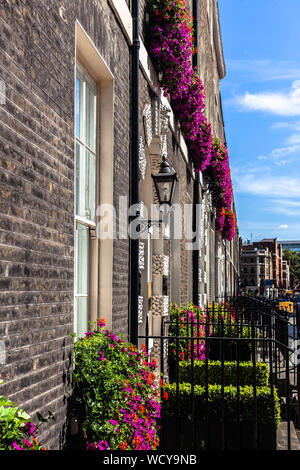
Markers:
point(212, 403)
point(17, 432)
point(294, 258)
point(114, 390)
point(186, 321)
point(218, 320)
point(214, 373)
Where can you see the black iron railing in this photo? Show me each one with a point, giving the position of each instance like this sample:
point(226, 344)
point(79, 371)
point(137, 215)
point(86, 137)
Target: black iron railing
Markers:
point(231, 376)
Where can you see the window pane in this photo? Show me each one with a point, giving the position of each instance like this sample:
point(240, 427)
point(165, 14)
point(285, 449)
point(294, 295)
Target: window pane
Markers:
point(79, 109)
point(82, 315)
point(82, 257)
point(89, 186)
point(85, 183)
point(80, 180)
point(90, 116)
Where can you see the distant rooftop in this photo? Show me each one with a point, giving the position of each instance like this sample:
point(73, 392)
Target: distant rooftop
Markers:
point(289, 242)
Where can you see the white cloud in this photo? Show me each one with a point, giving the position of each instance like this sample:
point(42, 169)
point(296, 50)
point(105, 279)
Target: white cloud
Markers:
point(283, 226)
point(261, 230)
point(286, 207)
point(286, 125)
point(283, 104)
point(282, 186)
point(279, 153)
point(294, 139)
point(288, 203)
point(284, 151)
point(265, 70)
point(280, 125)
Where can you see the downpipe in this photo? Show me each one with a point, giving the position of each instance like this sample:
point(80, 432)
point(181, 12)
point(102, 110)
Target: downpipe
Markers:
point(134, 175)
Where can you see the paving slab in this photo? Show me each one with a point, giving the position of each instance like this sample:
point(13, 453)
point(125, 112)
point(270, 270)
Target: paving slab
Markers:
point(282, 437)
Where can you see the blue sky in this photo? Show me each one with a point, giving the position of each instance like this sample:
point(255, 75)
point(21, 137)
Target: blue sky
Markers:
point(261, 105)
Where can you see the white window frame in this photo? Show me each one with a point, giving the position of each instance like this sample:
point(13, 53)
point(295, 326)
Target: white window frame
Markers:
point(90, 224)
point(101, 259)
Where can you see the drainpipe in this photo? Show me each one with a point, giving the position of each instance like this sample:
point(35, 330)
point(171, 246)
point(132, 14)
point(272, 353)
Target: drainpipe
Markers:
point(196, 198)
point(134, 175)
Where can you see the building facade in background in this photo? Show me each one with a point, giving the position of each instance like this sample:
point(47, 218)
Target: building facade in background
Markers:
point(293, 245)
point(263, 270)
point(64, 162)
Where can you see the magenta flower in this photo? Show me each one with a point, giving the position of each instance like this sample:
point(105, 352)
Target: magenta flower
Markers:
point(89, 334)
point(102, 445)
point(90, 446)
point(113, 422)
point(30, 429)
point(101, 356)
point(16, 446)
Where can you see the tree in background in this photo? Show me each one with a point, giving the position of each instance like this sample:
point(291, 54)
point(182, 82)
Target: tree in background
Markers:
point(294, 259)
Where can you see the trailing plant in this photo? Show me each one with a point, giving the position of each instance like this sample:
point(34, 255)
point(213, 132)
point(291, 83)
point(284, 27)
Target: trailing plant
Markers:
point(229, 227)
point(170, 38)
point(116, 397)
point(171, 47)
point(220, 219)
point(219, 175)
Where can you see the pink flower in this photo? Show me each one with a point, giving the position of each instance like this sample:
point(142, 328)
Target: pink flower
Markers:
point(16, 446)
point(90, 446)
point(102, 445)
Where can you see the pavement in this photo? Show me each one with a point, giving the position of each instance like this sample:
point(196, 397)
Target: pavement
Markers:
point(282, 437)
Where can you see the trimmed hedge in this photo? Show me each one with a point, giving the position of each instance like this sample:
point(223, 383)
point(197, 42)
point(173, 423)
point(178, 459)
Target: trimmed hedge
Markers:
point(214, 373)
point(215, 403)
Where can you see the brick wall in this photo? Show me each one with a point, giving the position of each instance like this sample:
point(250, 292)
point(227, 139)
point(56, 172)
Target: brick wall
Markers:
point(37, 44)
point(37, 60)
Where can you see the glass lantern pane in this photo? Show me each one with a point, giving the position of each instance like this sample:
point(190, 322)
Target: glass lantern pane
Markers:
point(164, 190)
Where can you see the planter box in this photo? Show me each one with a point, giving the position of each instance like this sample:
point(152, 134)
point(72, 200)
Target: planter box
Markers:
point(209, 436)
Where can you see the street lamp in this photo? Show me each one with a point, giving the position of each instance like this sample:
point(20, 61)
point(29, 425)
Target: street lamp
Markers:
point(165, 182)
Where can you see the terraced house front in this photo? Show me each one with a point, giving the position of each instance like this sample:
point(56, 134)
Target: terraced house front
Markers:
point(97, 133)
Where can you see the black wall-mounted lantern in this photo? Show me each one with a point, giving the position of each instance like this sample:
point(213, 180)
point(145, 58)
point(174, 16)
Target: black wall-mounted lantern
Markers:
point(165, 183)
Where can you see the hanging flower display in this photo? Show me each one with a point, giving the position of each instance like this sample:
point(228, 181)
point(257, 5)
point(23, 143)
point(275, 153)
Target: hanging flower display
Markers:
point(229, 225)
point(201, 148)
point(219, 176)
point(220, 219)
point(171, 48)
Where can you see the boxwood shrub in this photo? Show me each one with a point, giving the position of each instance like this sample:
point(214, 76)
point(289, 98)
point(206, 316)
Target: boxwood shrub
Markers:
point(266, 407)
point(214, 373)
